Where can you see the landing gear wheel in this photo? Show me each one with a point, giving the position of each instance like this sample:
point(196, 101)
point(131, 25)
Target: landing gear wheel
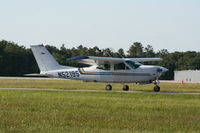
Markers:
point(156, 88)
point(108, 87)
point(125, 88)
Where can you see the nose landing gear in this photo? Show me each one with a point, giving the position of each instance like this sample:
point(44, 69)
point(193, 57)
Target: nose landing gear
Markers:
point(156, 88)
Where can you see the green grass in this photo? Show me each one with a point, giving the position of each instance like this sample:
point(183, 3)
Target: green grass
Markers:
point(72, 84)
point(97, 112)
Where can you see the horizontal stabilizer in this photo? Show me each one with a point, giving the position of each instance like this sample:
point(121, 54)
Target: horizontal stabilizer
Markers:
point(37, 75)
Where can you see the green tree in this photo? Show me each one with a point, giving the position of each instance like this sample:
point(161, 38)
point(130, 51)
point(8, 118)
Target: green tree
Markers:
point(15, 60)
point(148, 51)
point(95, 51)
point(136, 50)
point(121, 53)
point(107, 52)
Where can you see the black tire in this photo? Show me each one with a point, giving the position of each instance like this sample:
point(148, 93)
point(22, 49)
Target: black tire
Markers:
point(108, 87)
point(125, 88)
point(156, 88)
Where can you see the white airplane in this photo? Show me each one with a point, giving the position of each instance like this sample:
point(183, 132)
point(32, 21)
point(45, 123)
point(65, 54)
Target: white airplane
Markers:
point(102, 69)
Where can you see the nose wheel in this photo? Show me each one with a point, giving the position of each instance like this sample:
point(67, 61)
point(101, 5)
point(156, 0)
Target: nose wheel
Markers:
point(156, 88)
point(108, 87)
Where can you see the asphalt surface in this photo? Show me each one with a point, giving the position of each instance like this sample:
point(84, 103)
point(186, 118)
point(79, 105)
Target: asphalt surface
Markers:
point(37, 89)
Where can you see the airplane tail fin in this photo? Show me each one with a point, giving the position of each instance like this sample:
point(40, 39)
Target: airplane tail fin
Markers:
point(45, 60)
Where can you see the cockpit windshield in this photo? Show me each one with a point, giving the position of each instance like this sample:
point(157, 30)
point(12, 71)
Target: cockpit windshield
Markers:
point(133, 64)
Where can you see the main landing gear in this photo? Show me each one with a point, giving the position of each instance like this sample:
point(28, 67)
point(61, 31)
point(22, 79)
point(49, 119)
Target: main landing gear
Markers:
point(125, 88)
point(109, 87)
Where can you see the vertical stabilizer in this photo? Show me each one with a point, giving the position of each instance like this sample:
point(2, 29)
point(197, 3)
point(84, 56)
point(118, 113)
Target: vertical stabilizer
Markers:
point(44, 59)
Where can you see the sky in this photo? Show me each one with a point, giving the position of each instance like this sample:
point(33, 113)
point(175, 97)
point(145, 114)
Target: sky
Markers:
point(164, 24)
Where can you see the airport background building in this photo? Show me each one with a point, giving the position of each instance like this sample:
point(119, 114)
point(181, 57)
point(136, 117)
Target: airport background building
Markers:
point(192, 76)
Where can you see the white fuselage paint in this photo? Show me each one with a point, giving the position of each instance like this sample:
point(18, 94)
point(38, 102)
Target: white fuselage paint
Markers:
point(143, 74)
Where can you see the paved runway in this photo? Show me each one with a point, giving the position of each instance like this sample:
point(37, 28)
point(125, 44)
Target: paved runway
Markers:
point(37, 89)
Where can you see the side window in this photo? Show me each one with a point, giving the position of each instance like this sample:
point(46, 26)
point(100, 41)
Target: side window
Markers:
point(104, 67)
point(120, 66)
point(134, 65)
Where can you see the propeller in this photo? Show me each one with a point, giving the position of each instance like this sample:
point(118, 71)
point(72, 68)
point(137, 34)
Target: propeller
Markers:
point(160, 71)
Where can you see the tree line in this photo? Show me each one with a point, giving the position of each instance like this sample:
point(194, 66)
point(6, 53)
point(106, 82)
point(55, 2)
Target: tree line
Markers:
point(16, 60)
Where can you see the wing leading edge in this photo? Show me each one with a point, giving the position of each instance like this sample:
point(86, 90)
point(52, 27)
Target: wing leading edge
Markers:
point(92, 60)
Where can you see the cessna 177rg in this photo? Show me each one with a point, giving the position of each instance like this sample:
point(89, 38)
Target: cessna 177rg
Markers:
point(102, 69)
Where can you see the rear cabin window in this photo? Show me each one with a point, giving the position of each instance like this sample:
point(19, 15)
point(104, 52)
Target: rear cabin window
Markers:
point(104, 67)
point(120, 66)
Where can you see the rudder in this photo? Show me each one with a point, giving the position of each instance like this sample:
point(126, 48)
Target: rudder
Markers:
point(44, 59)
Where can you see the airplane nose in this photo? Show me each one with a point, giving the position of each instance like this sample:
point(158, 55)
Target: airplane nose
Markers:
point(162, 69)
point(165, 69)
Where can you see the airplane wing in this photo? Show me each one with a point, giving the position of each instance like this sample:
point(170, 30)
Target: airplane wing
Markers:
point(92, 60)
point(144, 59)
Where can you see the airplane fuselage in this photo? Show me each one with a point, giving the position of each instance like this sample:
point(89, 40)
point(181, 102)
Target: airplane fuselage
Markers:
point(143, 74)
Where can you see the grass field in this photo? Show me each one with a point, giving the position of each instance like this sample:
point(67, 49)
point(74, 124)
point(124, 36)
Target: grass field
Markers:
point(97, 112)
point(72, 84)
